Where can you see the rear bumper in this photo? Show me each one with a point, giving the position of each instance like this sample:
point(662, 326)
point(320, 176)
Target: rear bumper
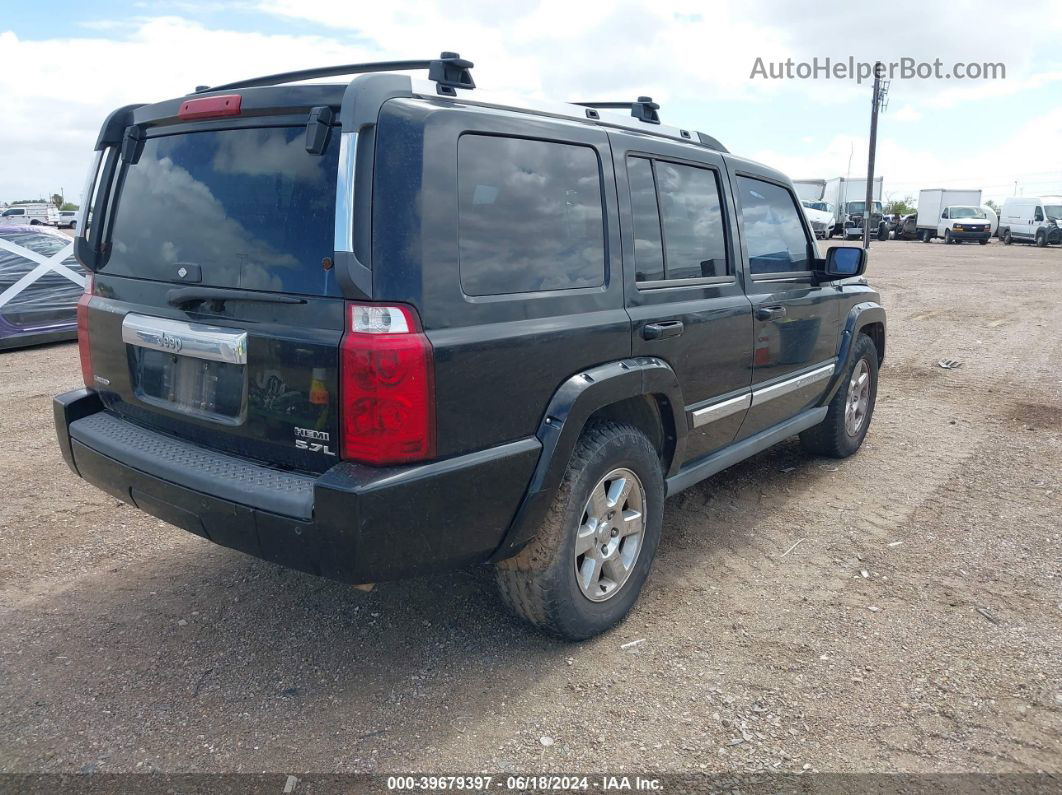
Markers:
point(353, 523)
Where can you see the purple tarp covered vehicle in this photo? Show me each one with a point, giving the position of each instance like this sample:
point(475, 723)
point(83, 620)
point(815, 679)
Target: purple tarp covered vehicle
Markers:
point(40, 283)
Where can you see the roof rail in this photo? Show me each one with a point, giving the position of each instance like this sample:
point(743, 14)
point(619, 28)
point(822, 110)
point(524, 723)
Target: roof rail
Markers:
point(449, 70)
point(644, 109)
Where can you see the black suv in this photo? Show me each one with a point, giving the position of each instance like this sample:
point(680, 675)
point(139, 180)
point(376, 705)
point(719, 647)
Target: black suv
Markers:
point(393, 326)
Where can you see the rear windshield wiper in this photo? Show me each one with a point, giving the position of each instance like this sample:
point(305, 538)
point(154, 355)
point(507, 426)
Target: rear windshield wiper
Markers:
point(184, 297)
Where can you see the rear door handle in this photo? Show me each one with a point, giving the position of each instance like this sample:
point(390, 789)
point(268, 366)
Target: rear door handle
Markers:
point(770, 312)
point(662, 330)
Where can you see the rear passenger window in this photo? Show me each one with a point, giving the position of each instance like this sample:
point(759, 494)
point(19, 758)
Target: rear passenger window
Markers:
point(678, 221)
point(530, 216)
point(774, 232)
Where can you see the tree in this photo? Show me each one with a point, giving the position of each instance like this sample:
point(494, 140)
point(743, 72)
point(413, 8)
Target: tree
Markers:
point(904, 206)
point(993, 205)
point(70, 206)
point(57, 200)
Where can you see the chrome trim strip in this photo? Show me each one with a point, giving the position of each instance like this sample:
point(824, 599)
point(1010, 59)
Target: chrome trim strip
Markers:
point(344, 236)
point(717, 411)
point(187, 339)
point(760, 396)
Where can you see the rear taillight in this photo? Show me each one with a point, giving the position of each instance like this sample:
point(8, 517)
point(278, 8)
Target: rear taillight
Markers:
point(83, 333)
point(387, 412)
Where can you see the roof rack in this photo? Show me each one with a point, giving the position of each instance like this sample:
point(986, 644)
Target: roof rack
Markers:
point(449, 70)
point(644, 109)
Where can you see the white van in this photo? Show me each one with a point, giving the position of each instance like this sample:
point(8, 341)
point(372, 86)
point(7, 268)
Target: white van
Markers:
point(1031, 219)
point(30, 215)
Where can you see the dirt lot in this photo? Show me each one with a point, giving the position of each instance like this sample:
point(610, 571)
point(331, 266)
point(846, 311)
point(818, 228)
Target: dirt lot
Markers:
point(901, 610)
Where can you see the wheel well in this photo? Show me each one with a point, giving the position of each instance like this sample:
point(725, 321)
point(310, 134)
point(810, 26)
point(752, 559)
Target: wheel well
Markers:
point(651, 414)
point(876, 332)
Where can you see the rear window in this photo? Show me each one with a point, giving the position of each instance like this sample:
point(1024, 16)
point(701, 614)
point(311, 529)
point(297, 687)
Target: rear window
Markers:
point(251, 207)
point(530, 216)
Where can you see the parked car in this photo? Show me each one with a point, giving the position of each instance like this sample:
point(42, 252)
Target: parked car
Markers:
point(413, 326)
point(37, 214)
point(820, 216)
point(37, 304)
point(1031, 219)
point(907, 228)
point(67, 219)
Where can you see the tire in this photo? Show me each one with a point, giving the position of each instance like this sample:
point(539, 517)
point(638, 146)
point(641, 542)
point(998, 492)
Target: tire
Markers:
point(1007, 239)
point(883, 232)
point(926, 237)
point(835, 436)
point(73, 225)
point(540, 584)
point(983, 242)
point(1041, 239)
point(947, 237)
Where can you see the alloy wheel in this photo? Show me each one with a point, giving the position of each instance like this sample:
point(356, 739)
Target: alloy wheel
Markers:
point(609, 539)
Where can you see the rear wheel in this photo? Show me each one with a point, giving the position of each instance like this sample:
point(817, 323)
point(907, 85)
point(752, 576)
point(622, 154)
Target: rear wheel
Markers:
point(1007, 239)
point(926, 236)
point(983, 242)
point(584, 570)
point(842, 431)
point(883, 232)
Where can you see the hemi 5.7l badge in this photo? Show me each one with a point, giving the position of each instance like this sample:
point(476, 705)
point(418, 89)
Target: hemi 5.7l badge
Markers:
point(312, 440)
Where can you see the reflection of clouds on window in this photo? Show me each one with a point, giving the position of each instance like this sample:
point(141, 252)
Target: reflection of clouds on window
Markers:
point(774, 233)
point(530, 216)
point(694, 241)
point(250, 206)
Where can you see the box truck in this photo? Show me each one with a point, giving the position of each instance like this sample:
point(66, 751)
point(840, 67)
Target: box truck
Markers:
point(848, 197)
point(954, 215)
point(809, 189)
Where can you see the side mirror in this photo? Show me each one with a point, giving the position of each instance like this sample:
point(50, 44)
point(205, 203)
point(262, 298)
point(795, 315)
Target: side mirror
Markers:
point(843, 262)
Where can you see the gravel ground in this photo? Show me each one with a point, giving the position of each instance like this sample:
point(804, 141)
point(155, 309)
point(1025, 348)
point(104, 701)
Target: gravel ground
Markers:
point(901, 610)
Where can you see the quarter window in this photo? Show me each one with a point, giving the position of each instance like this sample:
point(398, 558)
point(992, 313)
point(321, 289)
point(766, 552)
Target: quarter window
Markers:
point(774, 232)
point(530, 215)
point(678, 221)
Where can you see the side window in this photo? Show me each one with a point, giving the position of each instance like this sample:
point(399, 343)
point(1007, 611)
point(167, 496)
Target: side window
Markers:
point(648, 246)
point(774, 233)
point(1039, 214)
point(530, 215)
point(678, 221)
point(945, 213)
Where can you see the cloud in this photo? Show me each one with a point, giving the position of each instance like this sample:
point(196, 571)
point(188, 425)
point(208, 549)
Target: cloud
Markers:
point(907, 113)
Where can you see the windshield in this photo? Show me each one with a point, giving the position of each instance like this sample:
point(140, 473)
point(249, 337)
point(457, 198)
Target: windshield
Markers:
point(822, 206)
point(251, 207)
point(1053, 210)
point(854, 208)
point(967, 212)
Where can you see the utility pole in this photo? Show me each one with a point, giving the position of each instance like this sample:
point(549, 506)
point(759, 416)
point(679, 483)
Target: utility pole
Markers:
point(881, 90)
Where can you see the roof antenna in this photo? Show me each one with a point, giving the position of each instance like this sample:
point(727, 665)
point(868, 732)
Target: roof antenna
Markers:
point(451, 72)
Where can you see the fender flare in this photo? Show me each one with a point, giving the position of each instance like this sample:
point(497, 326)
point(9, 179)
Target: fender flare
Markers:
point(564, 419)
point(859, 316)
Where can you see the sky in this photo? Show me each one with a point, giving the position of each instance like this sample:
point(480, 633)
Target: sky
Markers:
point(65, 65)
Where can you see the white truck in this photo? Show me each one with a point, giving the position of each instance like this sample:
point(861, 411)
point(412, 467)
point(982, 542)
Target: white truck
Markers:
point(954, 215)
point(1031, 219)
point(34, 214)
point(848, 197)
point(819, 215)
point(809, 189)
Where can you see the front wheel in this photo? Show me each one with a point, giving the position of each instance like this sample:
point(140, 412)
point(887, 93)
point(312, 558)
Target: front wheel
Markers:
point(848, 418)
point(584, 570)
point(883, 232)
point(947, 237)
point(983, 242)
point(1041, 239)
